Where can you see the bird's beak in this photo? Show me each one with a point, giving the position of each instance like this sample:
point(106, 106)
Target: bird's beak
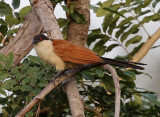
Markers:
point(34, 41)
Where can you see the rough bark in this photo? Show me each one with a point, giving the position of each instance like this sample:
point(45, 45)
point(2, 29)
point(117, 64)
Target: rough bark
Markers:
point(44, 9)
point(77, 33)
point(21, 45)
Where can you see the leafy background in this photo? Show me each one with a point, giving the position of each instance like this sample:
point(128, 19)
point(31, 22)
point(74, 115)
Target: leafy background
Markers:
point(121, 28)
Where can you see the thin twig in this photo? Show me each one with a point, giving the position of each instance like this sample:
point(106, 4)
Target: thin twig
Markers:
point(146, 47)
point(117, 89)
point(93, 110)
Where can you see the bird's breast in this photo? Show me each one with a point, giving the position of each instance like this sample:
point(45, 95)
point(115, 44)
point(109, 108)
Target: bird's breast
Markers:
point(45, 50)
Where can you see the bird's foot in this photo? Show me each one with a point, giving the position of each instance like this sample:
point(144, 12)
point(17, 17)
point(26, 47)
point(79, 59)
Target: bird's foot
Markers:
point(58, 75)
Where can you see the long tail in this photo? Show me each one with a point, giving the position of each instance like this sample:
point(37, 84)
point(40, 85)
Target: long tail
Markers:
point(120, 63)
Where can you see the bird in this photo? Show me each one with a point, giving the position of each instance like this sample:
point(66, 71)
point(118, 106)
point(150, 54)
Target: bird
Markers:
point(65, 55)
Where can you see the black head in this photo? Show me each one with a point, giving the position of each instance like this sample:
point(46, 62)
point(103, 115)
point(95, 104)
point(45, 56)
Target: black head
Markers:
point(38, 38)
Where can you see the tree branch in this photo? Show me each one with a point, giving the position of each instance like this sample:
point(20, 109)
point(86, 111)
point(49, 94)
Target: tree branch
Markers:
point(44, 10)
point(117, 89)
point(93, 110)
point(146, 47)
point(21, 45)
point(52, 85)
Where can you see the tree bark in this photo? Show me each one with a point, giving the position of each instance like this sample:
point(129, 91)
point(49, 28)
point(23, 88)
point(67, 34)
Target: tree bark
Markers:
point(77, 33)
point(21, 45)
point(44, 10)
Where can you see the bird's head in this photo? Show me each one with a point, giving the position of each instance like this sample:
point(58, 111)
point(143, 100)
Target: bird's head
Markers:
point(38, 38)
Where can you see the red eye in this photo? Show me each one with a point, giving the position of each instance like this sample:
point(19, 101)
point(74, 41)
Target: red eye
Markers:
point(40, 39)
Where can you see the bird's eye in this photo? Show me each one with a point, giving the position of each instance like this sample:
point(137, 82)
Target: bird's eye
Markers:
point(40, 39)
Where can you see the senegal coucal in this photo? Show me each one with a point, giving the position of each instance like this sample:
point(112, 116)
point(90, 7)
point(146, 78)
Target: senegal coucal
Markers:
point(64, 54)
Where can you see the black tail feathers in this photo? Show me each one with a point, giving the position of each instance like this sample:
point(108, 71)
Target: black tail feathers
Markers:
point(120, 63)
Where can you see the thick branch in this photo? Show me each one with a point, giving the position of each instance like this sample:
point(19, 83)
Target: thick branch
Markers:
point(146, 47)
point(21, 45)
point(44, 10)
point(117, 89)
point(77, 33)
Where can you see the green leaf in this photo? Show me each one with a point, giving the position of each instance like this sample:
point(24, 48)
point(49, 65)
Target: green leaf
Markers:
point(24, 11)
point(107, 83)
point(99, 47)
point(11, 20)
point(144, 12)
point(9, 60)
point(62, 22)
point(110, 47)
point(107, 3)
point(133, 40)
point(42, 84)
point(134, 29)
point(5, 9)
point(2, 22)
point(11, 32)
point(100, 73)
point(36, 91)
point(128, 2)
point(125, 21)
point(3, 29)
point(37, 60)
point(25, 81)
point(8, 84)
point(113, 11)
point(155, 17)
point(136, 102)
point(121, 30)
point(136, 49)
point(155, 3)
point(112, 26)
point(14, 106)
point(65, 32)
point(101, 12)
point(108, 10)
point(127, 75)
point(77, 17)
point(94, 8)
point(96, 34)
point(33, 80)
point(152, 98)
point(107, 20)
point(89, 75)
point(4, 76)
point(26, 88)
point(139, 7)
point(15, 3)
point(2, 91)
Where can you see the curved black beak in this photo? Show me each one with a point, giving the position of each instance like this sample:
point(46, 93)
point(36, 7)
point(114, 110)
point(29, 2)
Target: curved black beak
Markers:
point(34, 41)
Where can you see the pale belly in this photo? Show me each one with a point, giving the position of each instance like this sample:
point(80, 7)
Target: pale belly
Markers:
point(45, 51)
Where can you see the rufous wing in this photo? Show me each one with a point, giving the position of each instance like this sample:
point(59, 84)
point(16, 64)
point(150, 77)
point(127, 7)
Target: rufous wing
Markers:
point(74, 53)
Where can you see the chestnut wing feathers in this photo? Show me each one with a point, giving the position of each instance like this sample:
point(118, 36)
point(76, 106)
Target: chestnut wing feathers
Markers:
point(75, 53)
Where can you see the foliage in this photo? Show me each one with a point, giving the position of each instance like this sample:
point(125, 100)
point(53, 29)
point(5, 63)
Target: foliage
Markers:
point(10, 20)
point(27, 80)
point(126, 19)
point(19, 84)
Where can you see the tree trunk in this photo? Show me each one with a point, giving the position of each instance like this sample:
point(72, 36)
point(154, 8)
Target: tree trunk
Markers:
point(77, 33)
point(21, 45)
